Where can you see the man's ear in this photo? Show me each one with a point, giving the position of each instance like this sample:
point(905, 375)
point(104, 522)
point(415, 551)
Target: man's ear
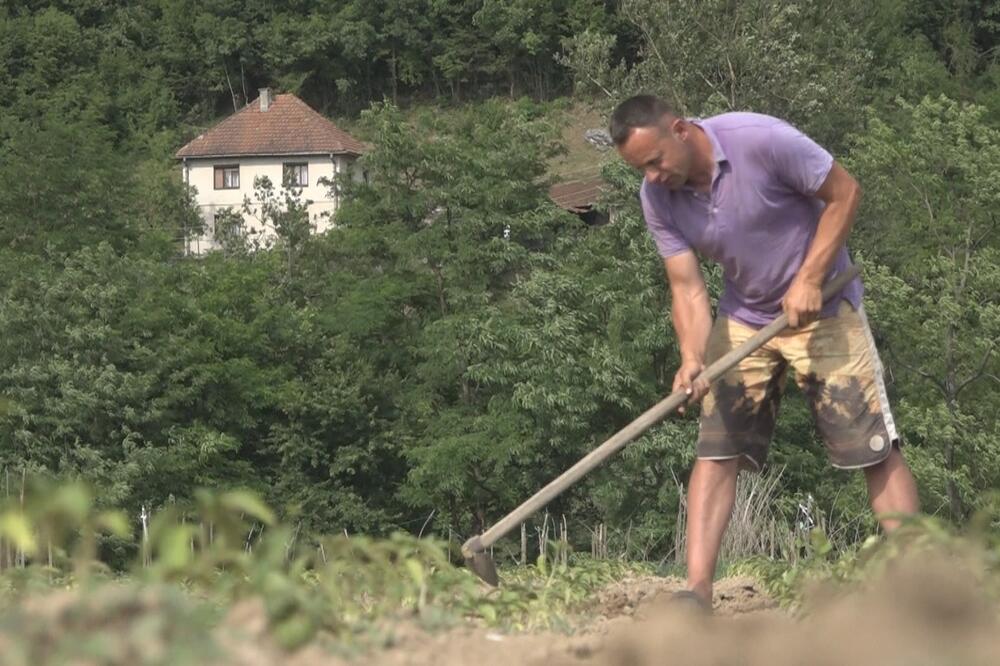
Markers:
point(679, 128)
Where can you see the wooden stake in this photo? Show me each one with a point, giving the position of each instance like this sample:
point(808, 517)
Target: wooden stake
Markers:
point(20, 553)
point(524, 544)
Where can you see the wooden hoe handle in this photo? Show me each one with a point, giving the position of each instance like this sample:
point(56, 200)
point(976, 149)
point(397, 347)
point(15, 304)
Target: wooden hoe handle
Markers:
point(646, 420)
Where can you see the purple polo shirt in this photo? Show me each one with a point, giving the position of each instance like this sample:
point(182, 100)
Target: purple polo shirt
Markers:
point(759, 219)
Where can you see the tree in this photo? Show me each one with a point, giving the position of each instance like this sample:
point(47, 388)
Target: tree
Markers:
point(454, 212)
point(65, 187)
point(931, 224)
point(282, 218)
point(801, 61)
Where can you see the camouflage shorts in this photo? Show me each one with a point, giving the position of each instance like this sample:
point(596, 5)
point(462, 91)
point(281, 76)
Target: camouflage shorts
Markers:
point(838, 369)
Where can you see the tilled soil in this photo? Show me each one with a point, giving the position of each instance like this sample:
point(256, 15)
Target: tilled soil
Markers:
point(929, 614)
point(617, 610)
point(928, 611)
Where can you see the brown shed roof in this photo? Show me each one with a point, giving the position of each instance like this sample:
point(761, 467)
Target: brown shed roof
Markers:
point(288, 127)
point(577, 196)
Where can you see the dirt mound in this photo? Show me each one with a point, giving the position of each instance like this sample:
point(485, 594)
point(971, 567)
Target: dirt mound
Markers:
point(733, 596)
point(928, 614)
point(113, 624)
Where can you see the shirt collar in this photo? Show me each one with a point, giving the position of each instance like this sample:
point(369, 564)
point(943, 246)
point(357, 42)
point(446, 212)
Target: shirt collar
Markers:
point(718, 154)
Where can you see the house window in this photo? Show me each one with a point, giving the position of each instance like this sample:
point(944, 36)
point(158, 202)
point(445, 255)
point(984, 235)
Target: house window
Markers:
point(227, 177)
point(227, 225)
point(296, 174)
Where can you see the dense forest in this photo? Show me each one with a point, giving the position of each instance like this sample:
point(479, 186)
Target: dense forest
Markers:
point(458, 340)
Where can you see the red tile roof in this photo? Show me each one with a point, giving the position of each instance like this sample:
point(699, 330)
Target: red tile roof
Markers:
point(577, 196)
point(288, 127)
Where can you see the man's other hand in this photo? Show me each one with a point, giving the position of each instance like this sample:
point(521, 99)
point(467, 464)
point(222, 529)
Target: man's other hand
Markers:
point(689, 379)
point(802, 303)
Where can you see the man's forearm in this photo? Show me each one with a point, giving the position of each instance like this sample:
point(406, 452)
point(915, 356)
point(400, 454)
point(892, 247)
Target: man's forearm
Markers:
point(692, 317)
point(831, 234)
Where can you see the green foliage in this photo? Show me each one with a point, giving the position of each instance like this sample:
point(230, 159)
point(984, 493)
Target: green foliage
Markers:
point(149, 69)
point(67, 187)
point(157, 377)
point(930, 204)
point(799, 61)
point(917, 540)
point(307, 588)
point(544, 596)
point(281, 220)
point(58, 525)
point(456, 341)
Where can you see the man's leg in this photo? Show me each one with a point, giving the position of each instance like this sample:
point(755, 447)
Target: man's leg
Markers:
point(711, 493)
point(736, 425)
point(891, 489)
point(839, 371)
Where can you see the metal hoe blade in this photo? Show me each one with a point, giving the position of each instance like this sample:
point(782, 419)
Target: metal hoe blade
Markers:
point(479, 561)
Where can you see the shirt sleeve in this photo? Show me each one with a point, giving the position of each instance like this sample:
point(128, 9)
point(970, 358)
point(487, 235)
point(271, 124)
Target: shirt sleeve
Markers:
point(798, 161)
point(667, 237)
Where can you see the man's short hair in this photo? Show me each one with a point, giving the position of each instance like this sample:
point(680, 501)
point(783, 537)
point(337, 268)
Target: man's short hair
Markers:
point(635, 112)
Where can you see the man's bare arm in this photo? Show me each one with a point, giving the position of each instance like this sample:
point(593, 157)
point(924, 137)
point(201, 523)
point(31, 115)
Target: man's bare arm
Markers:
point(692, 317)
point(841, 194)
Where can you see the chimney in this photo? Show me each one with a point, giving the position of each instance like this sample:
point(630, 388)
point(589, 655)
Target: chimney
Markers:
point(265, 99)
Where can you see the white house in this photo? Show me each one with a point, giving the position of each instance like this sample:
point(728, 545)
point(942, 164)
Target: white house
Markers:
point(272, 136)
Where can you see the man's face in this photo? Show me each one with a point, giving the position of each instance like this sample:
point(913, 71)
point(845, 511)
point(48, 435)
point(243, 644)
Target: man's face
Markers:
point(660, 152)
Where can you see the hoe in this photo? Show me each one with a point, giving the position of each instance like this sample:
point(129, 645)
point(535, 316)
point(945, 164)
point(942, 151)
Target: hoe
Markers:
point(475, 549)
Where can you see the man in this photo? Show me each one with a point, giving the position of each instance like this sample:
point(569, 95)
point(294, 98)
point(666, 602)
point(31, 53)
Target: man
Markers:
point(772, 207)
